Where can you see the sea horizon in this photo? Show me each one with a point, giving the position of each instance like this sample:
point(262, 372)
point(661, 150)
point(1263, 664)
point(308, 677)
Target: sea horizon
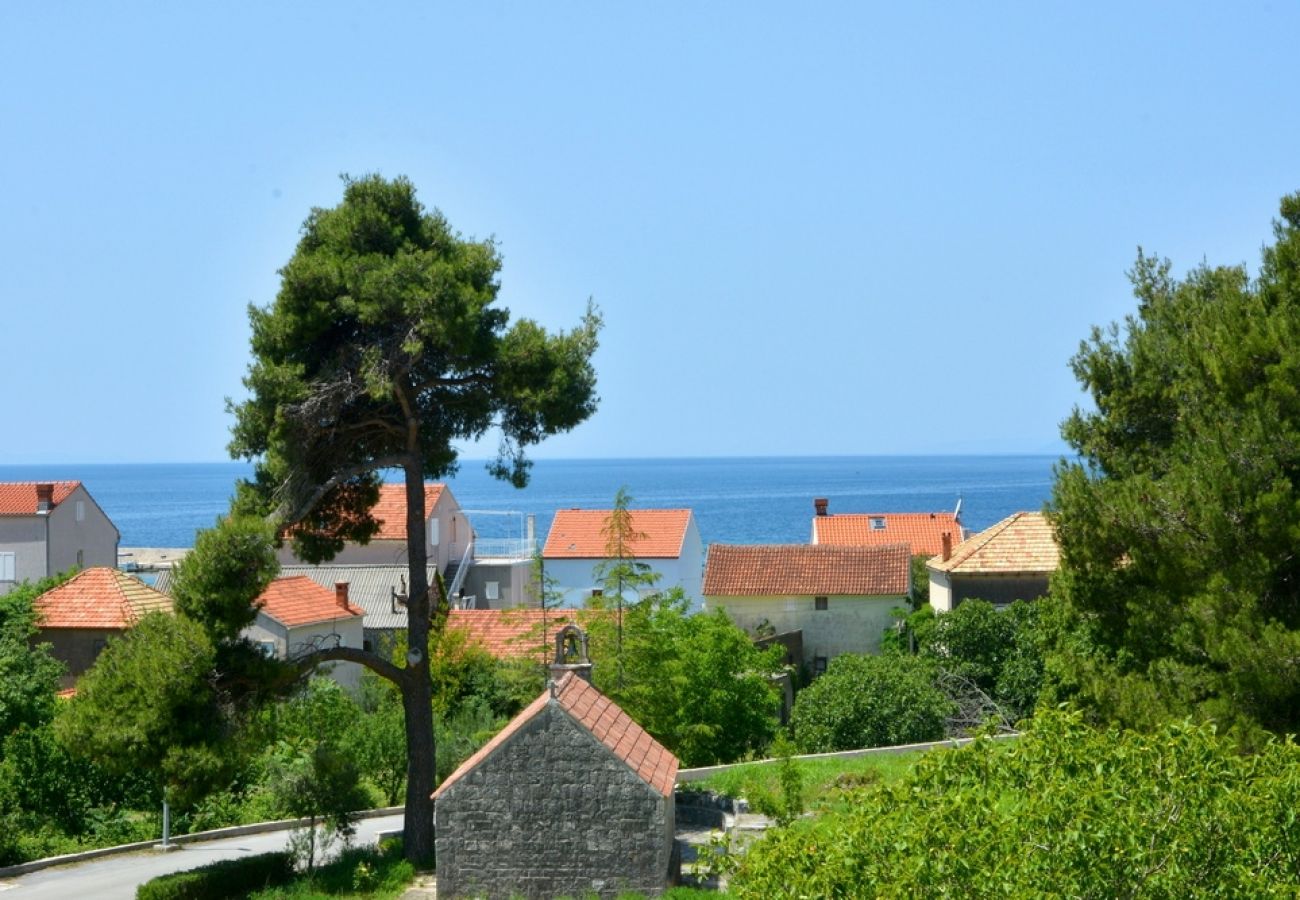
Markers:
point(736, 499)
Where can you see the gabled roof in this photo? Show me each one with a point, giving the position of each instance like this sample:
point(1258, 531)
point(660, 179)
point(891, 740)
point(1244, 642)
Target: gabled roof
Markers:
point(604, 719)
point(390, 510)
point(99, 597)
point(1022, 543)
point(922, 531)
point(297, 600)
point(18, 498)
point(763, 570)
point(579, 533)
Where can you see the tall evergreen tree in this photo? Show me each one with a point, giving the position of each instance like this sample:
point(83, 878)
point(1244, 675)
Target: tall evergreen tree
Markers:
point(1178, 525)
point(384, 346)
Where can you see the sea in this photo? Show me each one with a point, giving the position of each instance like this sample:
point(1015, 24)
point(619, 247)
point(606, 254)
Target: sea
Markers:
point(756, 500)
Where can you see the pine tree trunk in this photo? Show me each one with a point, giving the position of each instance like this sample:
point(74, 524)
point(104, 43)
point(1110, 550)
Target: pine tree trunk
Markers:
point(417, 691)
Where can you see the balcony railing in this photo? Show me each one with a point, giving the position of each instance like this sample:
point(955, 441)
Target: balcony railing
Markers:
point(504, 548)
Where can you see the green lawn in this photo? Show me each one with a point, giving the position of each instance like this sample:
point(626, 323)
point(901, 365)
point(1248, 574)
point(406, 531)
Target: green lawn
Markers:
point(823, 779)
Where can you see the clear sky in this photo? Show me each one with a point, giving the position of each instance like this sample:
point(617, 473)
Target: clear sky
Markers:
point(812, 228)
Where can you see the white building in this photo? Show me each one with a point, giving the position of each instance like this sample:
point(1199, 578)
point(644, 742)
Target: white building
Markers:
point(667, 541)
point(295, 615)
point(47, 528)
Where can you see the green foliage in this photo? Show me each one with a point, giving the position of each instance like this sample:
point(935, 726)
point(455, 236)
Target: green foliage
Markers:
point(919, 597)
point(220, 880)
point(696, 682)
point(386, 316)
point(375, 874)
point(148, 705)
point(1178, 524)
point(217, 581)
point(870, 701)
point(379, 739)
point(1066, 810)
point(822, 779)
point(29, 676)
point(460, 734)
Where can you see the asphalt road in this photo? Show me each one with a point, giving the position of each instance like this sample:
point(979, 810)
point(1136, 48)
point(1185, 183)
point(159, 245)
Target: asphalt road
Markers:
point(117, 877)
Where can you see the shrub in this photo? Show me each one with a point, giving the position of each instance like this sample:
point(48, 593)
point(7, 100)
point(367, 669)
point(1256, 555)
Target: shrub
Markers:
point(869, 701)
point(219, 880)
point(1065, 810)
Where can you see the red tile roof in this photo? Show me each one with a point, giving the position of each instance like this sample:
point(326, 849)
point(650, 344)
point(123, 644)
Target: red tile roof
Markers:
point(297, 600)
point(579, 533)
point(512, 633)
point(767, 570)
point(922, 531)
point(1023, 542)
point(100, 598)
point(18, 498)
point(604, 719)
point(390, 510)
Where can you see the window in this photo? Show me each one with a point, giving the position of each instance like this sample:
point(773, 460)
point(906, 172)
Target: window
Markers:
point(597, 592)
point(81, 510)
point(433, 532)
point(267, 648)
point(821, 603)
point(81, 559)
point(819, 665)
point(492, 589)
point(7, 561)
point(877, 523)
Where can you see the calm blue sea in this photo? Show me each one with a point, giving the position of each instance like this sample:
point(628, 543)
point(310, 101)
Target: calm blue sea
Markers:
point(741, 501)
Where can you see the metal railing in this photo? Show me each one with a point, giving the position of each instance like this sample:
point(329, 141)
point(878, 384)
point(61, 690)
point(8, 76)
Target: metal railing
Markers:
point(504, 548)
point(462, 570)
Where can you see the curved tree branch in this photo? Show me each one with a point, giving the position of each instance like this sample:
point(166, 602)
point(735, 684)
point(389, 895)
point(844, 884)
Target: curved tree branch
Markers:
point(377, 664)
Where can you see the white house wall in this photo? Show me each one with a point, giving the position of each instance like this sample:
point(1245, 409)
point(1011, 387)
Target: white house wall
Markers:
point(575, 579)
point(95, 537)
point(23, 536)
point(292, 641)
point(847, 625)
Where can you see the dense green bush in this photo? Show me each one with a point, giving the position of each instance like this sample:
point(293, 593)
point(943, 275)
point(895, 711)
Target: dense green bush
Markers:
point(1065, 810)
point(220, 880)
point(869, 701)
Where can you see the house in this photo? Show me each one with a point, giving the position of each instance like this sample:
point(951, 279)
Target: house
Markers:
point(295, 615)
point(1013, 560)
point(923, 532)
point(479, 574)
point(571, 798)
point(49, 527)
point(667, 541)
point(841, 598)
point(79, 616)
point(448, 532)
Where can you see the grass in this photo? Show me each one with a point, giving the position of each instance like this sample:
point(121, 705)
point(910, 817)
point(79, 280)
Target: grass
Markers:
point(823, 779)
point(361, 872)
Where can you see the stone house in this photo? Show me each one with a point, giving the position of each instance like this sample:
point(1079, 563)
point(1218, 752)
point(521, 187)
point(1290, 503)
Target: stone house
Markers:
point(669, 543)
point(78, 617)
point(49, 527)
point(922, 532)
point(840, 598)
point(571, 798)
point(1012, 560)
point(296, 615)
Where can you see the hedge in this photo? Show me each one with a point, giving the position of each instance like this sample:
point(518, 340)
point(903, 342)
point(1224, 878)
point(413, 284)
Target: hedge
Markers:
point(219, 880)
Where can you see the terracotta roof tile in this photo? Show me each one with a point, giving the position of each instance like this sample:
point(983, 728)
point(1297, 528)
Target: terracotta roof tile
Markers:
point(390, 510)
point(297, 600)
point(607, 723)
point(806, 570)
point(922, 531)
point(511, 633)
point(101, 598)
point(1021, 543)
point(18, 498)
point(579, 533)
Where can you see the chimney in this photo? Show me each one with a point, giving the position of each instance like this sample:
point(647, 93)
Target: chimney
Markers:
point(821, 504)
point(947, 546)
point(44, 498)
point(341, 594)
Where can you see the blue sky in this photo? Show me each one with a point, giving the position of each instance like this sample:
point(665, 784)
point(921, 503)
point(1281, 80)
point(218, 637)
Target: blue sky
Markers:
point(812, 228)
